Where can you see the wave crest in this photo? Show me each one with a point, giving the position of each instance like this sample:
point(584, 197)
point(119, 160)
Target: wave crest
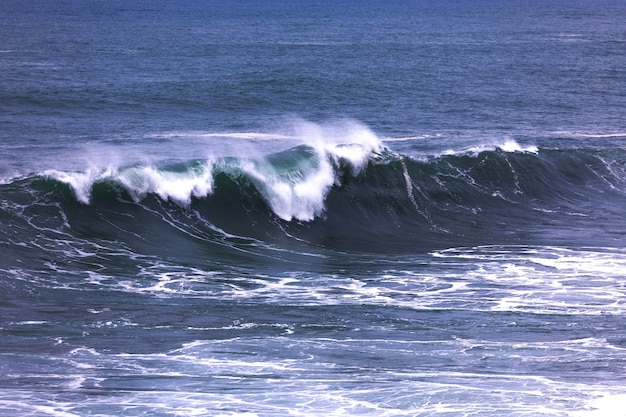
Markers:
point(350, 195)
point(294, 183)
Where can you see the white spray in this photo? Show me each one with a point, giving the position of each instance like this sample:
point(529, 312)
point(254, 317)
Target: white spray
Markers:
point(298, 194)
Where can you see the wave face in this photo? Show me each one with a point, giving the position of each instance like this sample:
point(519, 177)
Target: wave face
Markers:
point(325, 196)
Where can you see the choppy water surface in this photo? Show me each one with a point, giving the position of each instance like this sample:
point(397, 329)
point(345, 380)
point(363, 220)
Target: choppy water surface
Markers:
point(409, 208)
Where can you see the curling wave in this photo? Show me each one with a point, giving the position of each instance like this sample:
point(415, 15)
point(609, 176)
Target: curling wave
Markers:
point(294, 183)
point(337, 196)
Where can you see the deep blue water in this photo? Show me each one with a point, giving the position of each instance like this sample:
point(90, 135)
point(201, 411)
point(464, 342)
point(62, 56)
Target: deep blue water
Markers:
point(313, 208)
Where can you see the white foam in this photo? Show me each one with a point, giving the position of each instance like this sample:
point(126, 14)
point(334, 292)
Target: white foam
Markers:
point(176, 186)
point(140, 181)
point(509, 146)
point(80, 182)
point(302, 196)
point(53, 411)
point(513, 146)
point(606, 405)
point(547, 280)
point(294, 195)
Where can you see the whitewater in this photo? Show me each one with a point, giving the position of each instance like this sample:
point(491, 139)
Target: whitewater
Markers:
point(303, 208)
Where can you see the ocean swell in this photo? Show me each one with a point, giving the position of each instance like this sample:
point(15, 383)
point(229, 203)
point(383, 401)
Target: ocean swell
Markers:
point(343, 195)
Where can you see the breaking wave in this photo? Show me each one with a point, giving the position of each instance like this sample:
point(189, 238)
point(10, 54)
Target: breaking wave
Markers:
point(351, 193)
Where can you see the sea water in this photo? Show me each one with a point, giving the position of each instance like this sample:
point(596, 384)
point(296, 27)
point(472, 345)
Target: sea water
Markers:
point(241, 208)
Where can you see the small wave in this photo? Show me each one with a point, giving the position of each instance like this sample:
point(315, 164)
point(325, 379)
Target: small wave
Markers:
point(411, 138)
point(231, 135)
point(599, 135)
point(506, 146)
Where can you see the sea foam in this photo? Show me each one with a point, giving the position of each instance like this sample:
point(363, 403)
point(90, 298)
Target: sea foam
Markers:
point(301, 195)
point(296, 189)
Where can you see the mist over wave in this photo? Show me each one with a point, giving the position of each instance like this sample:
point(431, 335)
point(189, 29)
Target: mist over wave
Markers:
point(294, 183)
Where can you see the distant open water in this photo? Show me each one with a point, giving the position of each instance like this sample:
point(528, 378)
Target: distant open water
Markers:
point(313, 208)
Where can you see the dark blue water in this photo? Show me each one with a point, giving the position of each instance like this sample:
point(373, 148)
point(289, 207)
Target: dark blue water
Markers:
point(312, 208)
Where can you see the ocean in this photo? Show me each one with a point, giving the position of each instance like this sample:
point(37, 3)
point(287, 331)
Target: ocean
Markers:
point(311, 208)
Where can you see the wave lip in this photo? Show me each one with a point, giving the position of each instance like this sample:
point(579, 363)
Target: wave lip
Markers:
point(296, 184)
point(80, 182)
point(179, 186)
point(176, 185)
